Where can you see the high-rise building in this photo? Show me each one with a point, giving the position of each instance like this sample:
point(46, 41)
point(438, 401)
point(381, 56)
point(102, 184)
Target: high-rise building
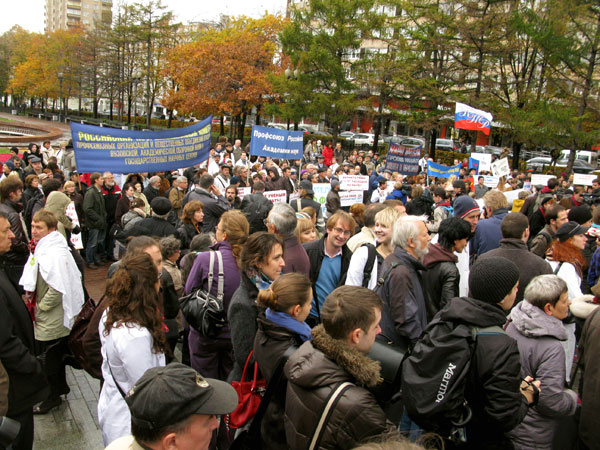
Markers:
point(67, 14)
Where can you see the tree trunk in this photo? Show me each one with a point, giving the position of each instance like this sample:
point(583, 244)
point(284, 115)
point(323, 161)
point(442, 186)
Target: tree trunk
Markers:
point(222, 126)
point(242, 126)
point(516, 155)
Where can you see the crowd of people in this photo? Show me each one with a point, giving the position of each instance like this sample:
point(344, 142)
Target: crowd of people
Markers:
point(304, 289)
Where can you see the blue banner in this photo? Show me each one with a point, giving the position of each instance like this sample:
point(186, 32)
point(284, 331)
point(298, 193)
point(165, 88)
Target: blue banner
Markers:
point(276, 143)
point(99, 149)
point(403, 160)
point(474, 164)
point(442, 171)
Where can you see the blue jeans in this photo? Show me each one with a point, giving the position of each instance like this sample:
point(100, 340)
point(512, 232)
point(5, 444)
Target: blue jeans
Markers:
point(95, 240)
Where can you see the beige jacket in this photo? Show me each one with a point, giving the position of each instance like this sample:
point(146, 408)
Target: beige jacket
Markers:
point(49, 314)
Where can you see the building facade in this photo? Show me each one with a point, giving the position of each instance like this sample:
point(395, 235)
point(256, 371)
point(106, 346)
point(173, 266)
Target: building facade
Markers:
point(67, 14)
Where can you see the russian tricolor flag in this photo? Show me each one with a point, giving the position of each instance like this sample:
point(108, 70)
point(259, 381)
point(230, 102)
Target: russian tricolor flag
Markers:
point(468, 118)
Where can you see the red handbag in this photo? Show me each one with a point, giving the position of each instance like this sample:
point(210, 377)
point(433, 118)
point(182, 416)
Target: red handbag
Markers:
point(250, 393)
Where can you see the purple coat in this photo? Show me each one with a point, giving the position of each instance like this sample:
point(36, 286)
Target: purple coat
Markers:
point(199, 276)
point(296, 258)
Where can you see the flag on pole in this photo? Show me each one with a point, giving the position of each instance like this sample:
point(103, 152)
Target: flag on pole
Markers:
point(468, 118)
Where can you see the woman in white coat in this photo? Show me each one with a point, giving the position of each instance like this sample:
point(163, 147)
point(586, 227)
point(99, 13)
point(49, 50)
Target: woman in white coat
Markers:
point(132, 338)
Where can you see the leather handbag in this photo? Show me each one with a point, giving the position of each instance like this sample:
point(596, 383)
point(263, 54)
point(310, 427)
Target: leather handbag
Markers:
point(201, 309)
point(250, 394)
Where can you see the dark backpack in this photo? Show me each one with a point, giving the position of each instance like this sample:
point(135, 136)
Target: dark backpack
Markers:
point(435, 374)
point(371, 259)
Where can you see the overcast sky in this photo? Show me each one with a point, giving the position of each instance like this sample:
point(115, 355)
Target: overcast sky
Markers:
point(29, 14)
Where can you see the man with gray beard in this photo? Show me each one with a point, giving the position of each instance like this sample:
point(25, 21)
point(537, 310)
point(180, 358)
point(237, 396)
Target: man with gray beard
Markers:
point(404, 316)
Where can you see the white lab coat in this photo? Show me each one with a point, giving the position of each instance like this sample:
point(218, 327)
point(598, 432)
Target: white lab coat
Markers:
point(129, 349)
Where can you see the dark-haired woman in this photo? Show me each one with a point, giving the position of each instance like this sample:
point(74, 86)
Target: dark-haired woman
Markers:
point(212, 356)
point(441, 279)
point(287, 304)
point(132, 337)
point(124, 203)
point(191, 216)
point(261, 264)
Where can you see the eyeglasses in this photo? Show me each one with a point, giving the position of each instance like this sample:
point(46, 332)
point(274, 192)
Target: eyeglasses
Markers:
point(339, 230)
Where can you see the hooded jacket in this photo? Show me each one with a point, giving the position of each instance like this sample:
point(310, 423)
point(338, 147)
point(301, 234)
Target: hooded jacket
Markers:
point(277, 183)
point(57, 203)
point(404, 317)
point(317, 368)
point(441, 279)
point(538, 336)
point(493, 386)
point(488, 234)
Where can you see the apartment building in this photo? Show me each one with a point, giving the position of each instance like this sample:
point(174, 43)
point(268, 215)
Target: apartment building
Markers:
point(67, 14)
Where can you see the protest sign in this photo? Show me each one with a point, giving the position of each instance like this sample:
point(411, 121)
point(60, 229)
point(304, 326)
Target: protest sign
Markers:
point(349, 198)
point(354, 183)
point(402, 159)
point(491, 181)
point(584, 179)
point(442, 171)
point(320, 194)
point(71, 213)
point(511, 196)
point(485, 161)
point(538, 179)
point(294, 196)
point(500, 168)
point(276, 143)
point(99, 149)
point(243, 191)
point(276, 196)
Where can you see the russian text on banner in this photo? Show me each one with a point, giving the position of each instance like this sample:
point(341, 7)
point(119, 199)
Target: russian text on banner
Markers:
point(583, 179)
point(99, 149)
point(354, 182)
point(403, 160)
point(469, 118)
point(349, 198)
point(276, 196)
point(442, 171)
point(276, 143)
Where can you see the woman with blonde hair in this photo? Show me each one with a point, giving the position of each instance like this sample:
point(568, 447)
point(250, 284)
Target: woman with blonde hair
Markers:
point(287, 303)
point(305, 230)
point(368, 259)
point(212, 356)
point(132, 338)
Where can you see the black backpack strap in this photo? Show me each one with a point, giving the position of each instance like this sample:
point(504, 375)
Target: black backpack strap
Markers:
point(382, 278)
point(368, 269)
point(558, 268)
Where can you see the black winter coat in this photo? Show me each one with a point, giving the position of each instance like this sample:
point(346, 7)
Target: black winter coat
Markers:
point(27, 383)
point(492, 389)
point(19, 251)
point(256, 208)
point(270, 344)
point(152, 226)
point(441, 279)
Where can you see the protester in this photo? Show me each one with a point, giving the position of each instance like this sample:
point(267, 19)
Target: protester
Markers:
point(132, 339)
point(555, 218)
point(256, 207)
point(282, 222)
point(367, 232)
point(305, 230)
point(192, 217)
point(11, 191)
point(488, 234)
point(588, 355)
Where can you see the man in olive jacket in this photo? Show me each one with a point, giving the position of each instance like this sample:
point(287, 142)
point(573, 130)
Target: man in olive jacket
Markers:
point(95, 219)
point(27, 384)
point(337, 354)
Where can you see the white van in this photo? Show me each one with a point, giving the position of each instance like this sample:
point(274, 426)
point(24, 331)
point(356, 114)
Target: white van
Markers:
point(589, 157)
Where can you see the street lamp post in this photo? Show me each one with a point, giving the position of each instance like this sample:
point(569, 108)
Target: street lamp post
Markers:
point(60, 76)
point(137, 75)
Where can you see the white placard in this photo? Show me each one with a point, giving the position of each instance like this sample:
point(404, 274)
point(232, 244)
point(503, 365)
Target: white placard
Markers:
point(349, 198)
point(320, 194)
point(294, 196)
point(491, 181)
point(500, 168)
point(511, 196)
point(276, 196)
point(71, 213)
point(482, 157)
point(243, 191)
point(354, 183)
point(583, 179)
point(540, 179)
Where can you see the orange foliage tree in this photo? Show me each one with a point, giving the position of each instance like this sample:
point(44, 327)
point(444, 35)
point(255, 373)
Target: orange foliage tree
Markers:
point(225, 71)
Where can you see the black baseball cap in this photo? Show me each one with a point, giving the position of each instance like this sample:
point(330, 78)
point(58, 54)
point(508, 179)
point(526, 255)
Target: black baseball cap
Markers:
point(307, 186)
point(570, 229)
point(167, 395)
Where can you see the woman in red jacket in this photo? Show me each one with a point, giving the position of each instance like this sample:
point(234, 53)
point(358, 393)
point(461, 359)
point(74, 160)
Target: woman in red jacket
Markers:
point(328, 154)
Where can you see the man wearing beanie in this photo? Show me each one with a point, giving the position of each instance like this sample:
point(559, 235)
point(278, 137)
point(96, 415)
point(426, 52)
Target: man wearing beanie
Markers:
point(494, 395)
point(465, 208)
point(157, 224)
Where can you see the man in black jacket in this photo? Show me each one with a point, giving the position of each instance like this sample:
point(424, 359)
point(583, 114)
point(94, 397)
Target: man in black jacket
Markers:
point(215, 203)
point(157, 225)
point(27, 384)
point(15, 257)
point(256, 207)
point(329, 260)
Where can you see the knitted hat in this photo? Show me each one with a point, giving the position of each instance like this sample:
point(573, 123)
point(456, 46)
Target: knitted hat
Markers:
point(235, 180)
point(10, 165)
point(463, 205)
point(492, 278)
point(580, 214)
point(161, 206)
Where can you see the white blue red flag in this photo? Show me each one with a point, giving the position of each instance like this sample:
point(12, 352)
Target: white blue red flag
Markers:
point(468, 118)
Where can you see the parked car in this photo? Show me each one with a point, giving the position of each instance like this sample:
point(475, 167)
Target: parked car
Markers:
point(583, 155)
point(538, 164)
point(347, 134)
point(446, 145)
point(413, 142)
point(363, 139)
point(493, 150)
point(579, 166)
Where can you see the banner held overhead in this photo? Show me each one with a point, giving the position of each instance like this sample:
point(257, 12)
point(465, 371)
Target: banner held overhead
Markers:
point(404, 160)
point(276, 143)
point(99, 149)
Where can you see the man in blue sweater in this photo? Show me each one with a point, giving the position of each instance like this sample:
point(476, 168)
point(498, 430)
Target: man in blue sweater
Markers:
point(329, 260)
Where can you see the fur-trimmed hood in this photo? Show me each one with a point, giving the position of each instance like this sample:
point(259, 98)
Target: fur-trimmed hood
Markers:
point(324, 361)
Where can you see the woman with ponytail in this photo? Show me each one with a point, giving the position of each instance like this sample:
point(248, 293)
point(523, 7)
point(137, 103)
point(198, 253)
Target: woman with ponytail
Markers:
point(213, 357)
point(132, 337)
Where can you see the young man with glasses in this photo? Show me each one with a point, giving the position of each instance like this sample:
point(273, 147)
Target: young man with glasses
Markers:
point(329, 260)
